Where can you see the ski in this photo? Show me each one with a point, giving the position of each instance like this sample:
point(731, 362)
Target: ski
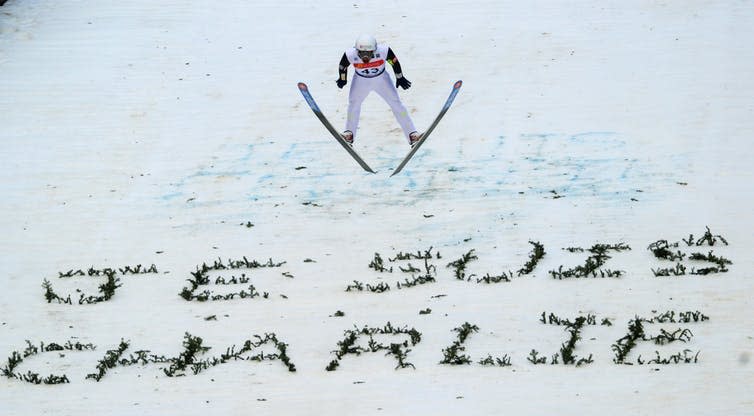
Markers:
point(317, 112)
point(445, 108)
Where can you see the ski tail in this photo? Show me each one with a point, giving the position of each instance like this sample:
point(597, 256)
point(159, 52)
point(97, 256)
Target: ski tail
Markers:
point(317, 112)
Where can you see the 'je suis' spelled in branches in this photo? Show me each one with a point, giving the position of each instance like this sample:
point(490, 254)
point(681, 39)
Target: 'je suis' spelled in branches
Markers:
point(537, 253)
point(200, 278)
point(664, 250)
point(593, 264)
point(425, 276)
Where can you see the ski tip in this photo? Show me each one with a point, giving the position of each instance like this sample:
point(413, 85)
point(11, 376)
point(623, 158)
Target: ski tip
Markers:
point(302, 86)
point(457, 85)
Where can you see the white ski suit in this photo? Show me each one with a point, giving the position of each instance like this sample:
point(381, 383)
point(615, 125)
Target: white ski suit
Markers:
point(371, 76)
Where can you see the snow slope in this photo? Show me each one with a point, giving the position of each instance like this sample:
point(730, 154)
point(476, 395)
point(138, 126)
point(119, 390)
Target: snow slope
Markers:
point(149, 132)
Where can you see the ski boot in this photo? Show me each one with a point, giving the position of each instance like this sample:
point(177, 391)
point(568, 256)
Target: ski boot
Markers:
point(347, 136)
point(414, 138)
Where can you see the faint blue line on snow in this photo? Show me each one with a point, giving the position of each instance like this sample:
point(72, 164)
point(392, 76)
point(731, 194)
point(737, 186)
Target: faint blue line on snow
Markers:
point(411, 181)
point(538, 135)
point(249, 152)
point(218, 174)
point(579, 136)
point(287, 154)
point(168, 197)
point(545, 162)
point(562, 162)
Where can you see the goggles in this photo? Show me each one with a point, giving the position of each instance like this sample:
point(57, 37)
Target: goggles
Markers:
point(366, 54)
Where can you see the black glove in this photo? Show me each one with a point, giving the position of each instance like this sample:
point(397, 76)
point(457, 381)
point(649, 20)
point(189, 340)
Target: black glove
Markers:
point(403, 83)
point(341, 82)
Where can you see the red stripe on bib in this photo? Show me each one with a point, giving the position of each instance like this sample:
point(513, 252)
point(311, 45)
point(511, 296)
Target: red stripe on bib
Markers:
point(369, 64)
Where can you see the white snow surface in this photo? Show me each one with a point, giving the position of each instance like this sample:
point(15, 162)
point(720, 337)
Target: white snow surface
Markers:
point(151, 132)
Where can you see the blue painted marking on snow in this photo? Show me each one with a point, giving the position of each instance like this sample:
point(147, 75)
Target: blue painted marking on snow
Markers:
point(289, 152)
point(313, 194)
point(598, 166)
point(592, 134)
point(168, 197)
point(235, 168)
point(218, 174)
point(411, 182)
point(249, 153)
point(561, 162)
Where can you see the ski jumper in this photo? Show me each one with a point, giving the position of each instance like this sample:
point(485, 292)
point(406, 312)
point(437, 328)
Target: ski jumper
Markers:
point(371, 76)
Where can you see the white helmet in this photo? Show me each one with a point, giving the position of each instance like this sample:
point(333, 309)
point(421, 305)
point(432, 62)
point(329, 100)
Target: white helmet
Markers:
point(366, 43)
